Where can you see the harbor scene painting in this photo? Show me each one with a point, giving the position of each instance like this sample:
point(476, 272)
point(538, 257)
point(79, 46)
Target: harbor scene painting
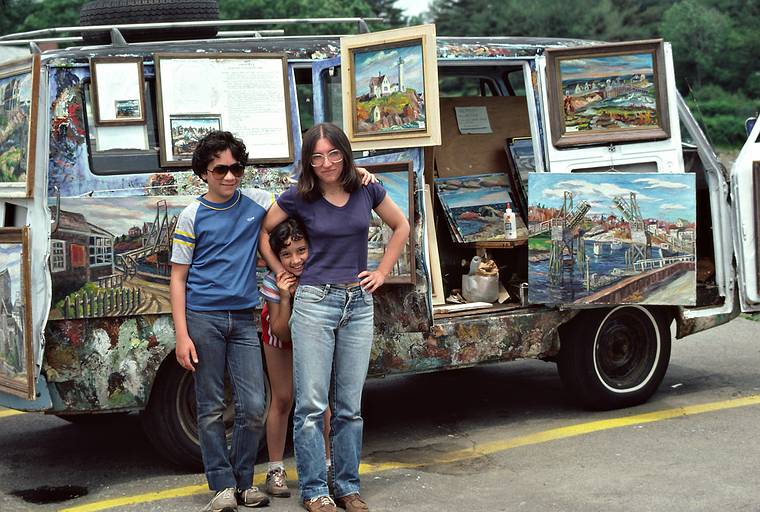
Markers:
point(612, 238)
point(397, 186)
point(609, 92)
point(475, 206)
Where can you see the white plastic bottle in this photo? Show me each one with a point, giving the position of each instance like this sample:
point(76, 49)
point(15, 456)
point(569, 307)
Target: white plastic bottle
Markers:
point(510, 224)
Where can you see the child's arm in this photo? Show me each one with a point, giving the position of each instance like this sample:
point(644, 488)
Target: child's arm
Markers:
point(275, 215)
point(185, 348)
point(279, 313)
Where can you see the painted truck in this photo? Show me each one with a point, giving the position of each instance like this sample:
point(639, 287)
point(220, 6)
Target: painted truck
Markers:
point(628, 222)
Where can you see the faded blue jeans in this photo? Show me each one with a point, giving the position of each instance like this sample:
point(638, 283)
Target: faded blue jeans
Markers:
point(228, 340)
point(331, 327)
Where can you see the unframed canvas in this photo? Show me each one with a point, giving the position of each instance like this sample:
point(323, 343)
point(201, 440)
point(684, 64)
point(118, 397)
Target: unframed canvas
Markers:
point(612, 238)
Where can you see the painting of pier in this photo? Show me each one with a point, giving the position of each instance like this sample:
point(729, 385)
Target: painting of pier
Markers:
point(612, 238)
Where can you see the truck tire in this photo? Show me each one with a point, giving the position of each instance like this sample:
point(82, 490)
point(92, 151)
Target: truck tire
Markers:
point(615, 358)
point(170, 419)
point(113, 12)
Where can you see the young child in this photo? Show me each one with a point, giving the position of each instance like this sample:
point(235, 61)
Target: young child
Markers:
point(289, 243)
point(213, 295)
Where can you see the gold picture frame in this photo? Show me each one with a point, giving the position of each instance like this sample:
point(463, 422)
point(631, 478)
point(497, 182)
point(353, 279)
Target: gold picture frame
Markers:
point(20, 89)
point(607, 94)
point(390, 88)
point(17, 368)
point(118, 90)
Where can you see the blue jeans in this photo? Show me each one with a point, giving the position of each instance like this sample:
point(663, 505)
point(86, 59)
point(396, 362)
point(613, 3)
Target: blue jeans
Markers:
point(331, 327)
point(228, 340)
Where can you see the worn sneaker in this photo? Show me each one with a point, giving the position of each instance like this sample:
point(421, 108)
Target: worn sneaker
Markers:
point(252, 497)
point(352, 503)
point(277, 484)
point(223, 501)
point(320, 504)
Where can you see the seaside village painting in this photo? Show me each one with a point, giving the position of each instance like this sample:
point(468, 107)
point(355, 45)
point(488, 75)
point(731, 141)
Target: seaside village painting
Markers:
point(15, 101)
point(609, 92)
point(12, 348)
point(389, 90)
point(612, 238)
point(110, 256)
point(475, 205)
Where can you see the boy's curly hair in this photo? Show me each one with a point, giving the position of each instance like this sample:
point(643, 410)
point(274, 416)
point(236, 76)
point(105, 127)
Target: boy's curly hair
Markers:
point(214, 143)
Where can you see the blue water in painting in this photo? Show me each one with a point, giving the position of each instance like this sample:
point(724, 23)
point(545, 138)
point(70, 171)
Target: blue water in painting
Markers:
point(571, 287)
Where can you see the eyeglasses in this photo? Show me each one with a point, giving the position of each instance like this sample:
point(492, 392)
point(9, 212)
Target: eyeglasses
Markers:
point(220, 171)
point(334, 156)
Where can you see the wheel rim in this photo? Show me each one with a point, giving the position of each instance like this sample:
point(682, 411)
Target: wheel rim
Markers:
point(627, 349)
point(187, 412)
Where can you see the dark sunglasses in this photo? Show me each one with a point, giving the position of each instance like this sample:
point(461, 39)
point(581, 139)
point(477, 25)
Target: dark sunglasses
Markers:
point(220, 171)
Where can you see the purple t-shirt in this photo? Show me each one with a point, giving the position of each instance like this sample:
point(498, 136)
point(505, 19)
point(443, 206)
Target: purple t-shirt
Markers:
point(337, 235)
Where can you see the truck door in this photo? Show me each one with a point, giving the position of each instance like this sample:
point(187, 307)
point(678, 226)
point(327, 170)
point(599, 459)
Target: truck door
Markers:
point(745, 191)
point(24, 227)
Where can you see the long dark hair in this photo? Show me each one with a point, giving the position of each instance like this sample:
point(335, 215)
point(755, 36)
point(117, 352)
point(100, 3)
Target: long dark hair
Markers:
point(308, 183)
point(291, 229)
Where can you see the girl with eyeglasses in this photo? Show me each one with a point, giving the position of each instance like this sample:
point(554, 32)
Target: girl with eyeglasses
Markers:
point(332, 315)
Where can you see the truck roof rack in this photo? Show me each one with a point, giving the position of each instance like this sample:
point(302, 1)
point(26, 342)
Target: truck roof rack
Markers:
point(56, 34)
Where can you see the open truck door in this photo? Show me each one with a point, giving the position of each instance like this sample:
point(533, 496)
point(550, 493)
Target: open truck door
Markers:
point(24, 232)
point(745, 190)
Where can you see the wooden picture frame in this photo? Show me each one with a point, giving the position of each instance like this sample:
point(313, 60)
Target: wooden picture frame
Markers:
point(249, 92)
point(756, 197)
point(625, 85)
point(398, 107)
point(518, 168)
point(437, 293)
point(17, 366)
point(399, 180)
point(20, 90)
point(118, 90)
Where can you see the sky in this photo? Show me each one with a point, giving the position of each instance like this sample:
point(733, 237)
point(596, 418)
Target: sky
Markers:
point(411, 7)
point(661, 196)
point(10, 258)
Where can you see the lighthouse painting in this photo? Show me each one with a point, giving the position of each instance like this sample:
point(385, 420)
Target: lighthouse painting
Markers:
point(389, 89)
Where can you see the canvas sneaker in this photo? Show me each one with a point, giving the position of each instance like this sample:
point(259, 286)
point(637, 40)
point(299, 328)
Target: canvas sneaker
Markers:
point(276, 484)
point(223, 501)
point(352, 503)
point(320, 504)
point(252, 497)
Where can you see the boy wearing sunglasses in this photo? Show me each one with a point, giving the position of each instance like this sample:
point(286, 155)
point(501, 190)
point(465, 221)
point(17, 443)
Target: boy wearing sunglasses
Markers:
point(213, 295)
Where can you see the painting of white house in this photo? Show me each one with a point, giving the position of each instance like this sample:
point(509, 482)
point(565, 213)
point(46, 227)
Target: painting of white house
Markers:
point(389, 89)
point(13, 354)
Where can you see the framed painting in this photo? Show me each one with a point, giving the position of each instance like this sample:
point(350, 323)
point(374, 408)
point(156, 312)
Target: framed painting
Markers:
point(399, 180)
point(118, 90)
point(17, 374)
point(247, 94)
point(188, 129)
point(612, 238)
point(521, 161)
point(607, 94)
point(390, 88)
point(19, 91)
point(437, 293)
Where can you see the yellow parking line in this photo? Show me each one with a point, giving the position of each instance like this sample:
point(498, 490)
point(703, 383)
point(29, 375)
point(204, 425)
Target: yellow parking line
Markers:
point(5, 413)
point(460, 455)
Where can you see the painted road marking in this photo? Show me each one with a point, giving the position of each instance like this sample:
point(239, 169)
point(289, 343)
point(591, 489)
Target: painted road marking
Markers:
point(460, 455)
point(5, 413)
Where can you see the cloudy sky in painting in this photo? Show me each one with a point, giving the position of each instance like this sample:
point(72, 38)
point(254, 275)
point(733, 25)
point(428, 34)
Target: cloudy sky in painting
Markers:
point(385, 62)
point(661, 196)
point(606, 67)
point(10, 259)
point(117, 214)
point(397, 185)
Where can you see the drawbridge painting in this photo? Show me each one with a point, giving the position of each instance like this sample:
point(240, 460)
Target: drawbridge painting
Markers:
point(612, 238)
point(110, 256)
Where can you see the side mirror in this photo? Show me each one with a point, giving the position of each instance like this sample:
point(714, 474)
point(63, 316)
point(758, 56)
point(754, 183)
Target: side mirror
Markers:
point(749, 124)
